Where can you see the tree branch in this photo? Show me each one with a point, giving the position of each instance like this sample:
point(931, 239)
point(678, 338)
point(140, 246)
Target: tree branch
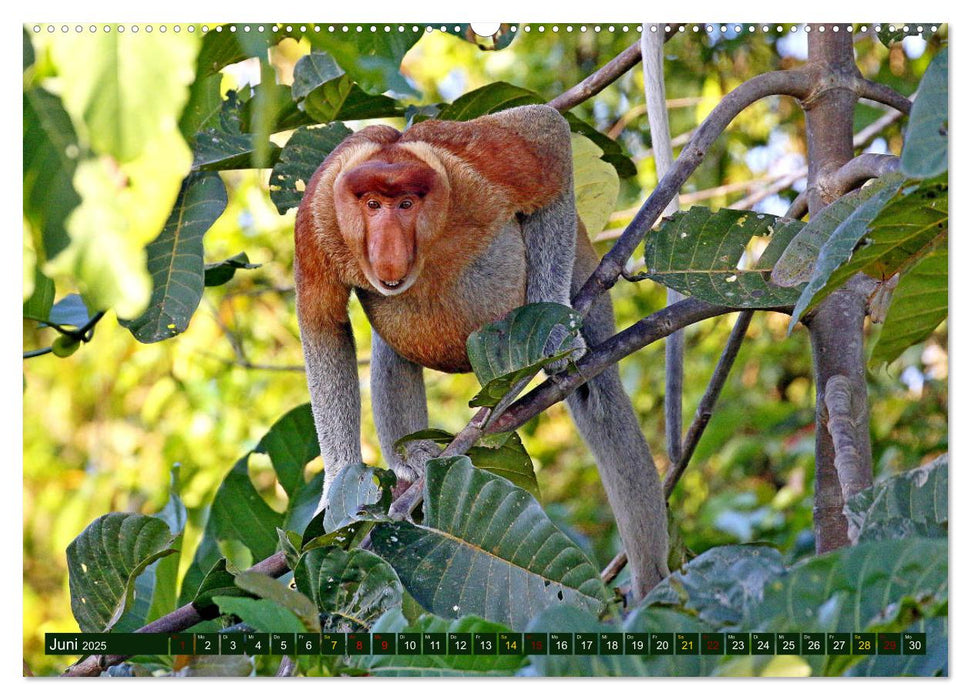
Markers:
point(882, 94)
point(793, 83)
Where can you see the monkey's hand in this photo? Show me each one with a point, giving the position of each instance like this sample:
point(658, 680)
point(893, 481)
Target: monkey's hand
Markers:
point(412, 464)
point(560, 338)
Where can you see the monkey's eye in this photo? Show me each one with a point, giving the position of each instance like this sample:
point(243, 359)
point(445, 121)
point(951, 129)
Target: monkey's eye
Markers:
point(373, 204)
point(405, 204)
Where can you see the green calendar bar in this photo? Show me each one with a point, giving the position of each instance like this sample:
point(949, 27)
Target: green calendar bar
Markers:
point(119, 643)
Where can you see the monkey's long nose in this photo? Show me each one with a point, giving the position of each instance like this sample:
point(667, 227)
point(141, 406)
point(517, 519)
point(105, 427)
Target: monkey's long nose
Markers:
point(390, 257)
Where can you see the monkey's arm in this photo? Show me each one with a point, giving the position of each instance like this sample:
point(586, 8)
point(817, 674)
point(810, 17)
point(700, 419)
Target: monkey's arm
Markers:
point(329, 356)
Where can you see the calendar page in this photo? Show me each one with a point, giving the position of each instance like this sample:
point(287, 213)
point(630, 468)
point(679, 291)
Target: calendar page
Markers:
point(485, 350)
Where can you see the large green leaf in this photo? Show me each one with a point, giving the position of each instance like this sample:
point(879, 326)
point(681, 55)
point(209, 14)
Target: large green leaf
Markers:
point(50, 158)
point(351, 589)
point(325, 92)
point(697, 252)
point(613, 152)
point(720, 583)
point(918, 306)
point(854, 590)
point(912, 503)
point(654, 619)
point(925, 145)
point(502, 455)
point(290, 444)
point(128, 89)
point(931, 663)
point(888, 234)
point(371, 59)
point(105, 560)
point(518, 345)
point(41, 301)
point(486, 548)
point(240, 514)
point(488, 99)
point(221, 272)
point(175, 260)
point(394, 622)
point(303, 154)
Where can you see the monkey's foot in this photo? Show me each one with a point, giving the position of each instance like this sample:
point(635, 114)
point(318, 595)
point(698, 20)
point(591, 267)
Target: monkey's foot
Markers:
point(557, 340)
point(412, 465)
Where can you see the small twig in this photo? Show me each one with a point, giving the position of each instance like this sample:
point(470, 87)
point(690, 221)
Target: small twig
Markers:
point(707, 403)
point(854, 173)
point(596, 82)
point(614, 568)
point(791, 82)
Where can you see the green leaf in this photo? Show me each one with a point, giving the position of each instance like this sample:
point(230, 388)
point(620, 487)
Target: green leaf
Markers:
point(175, 260)
point(51, 152)
point(38, 306)
point(595, 184)
point(720, 583)
point(839, 246)
point(890, 34)
point(352, 589)
point(486, 548)
point(28, 49)
point(221, 143)
point(303, 154)
point(261, 615)
point(127, 88)
point(515, 347)
point(371, 59)
point(325, 92)
point(104, 561)
point(887, 235)
point(932, 663)
point(355, 487)
point(503, 455)
point(219, 581)
point(488, 99)
point(918, 306)
point(290, 444)
point(613, 152)
point(654, 618)
point(697, 252)
point(909, 504)
point(239, 513)
point(220, 273)
point(925, 144)
point(795, 265)
point(268, 588)
point(441, 665)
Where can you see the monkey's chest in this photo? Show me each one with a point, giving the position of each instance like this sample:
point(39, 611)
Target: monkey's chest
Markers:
point(430, 323)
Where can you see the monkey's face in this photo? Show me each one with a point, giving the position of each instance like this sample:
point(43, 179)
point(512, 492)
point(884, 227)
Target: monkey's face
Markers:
point(382, 215)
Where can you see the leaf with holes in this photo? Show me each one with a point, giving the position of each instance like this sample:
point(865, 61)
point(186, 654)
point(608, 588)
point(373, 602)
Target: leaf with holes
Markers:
point(698, 252)
point(519, 345)
point(305, 151)
point(486, 548)
point(175, 260)
point(105, 560)
point(351, 589)
point(720, 583)
point(925, 144)
point(905, 505)
point(221, 143)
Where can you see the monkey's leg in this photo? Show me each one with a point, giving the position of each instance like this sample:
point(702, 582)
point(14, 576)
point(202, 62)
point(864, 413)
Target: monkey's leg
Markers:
point(605, 418)
point(400, 408)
